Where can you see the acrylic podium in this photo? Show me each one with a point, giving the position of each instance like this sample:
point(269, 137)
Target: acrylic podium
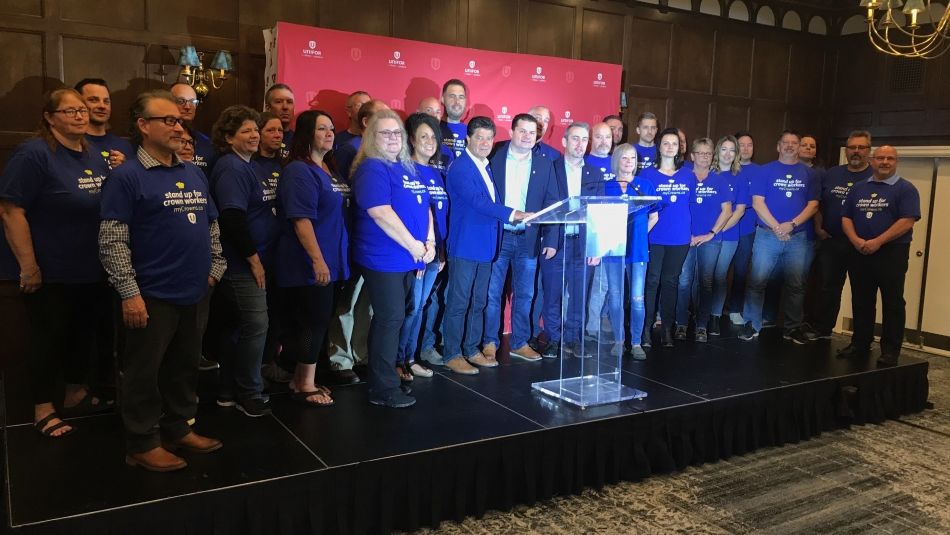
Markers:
point(594, 227)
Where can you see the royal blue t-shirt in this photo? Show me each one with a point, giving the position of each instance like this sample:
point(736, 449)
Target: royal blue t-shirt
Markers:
point(343, 156)
point(306, 191)
point(455, 141)
point(237, 185)
point(706, 204)
point(60, 190)
point(646, 157)
point(286, 143)
point(638, 248)
point(874, 206)
point(168, 211)
point(673, 228)
point(377, 183)
point(342, 138)
point(205, 153)
point(835, 186)
point(739, 191)
point(438, 200)
point(102, 145)
point(599, 166)
point(750, 220)
point(787, 189)
point(267, 167)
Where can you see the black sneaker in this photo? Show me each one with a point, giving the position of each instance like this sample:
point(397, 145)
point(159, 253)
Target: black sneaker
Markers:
point(767, 324)
point(822, 335)
point(668, 338)
point(206, 364)
point(552, 350)
point(796, 335)
point(809, 332)
point(576, 349)
point(701, 335)
point(748, 332)
point(253, 407)
point(396, 400)
point(713, 327)
point(406, 389)
point(680, 333)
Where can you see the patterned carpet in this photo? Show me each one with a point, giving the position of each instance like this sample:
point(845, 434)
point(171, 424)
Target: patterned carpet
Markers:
point(890, 478)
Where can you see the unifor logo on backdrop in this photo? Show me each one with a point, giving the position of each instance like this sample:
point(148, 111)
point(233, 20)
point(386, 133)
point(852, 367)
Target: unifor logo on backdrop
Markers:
point(435, 63)
point(538, 76)
point(312, 51)
point(396, 62)
point(599, 82)
point(566, 120)
point(472, 70)
point(504, 116)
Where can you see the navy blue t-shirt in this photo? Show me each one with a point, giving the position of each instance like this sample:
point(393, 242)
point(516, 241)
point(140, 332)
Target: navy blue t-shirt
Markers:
point(638, 248)
point(267, 167)
point(205, 153)
point(439, 201)
point(787, 189)
point(646, 157)
point(343, 156)
point(750, 172)
point(376, 183)
point(599, 166)
point(109, 142)
point(286, 143)
point(455, 139)
point(60, 190)
point(835, 185)
point(673, 227)
point(237, 185)
point(168, 211)
point(874, 206)
point(306, 191)
point(739, 192)
point(706, 204)
point(342, 138)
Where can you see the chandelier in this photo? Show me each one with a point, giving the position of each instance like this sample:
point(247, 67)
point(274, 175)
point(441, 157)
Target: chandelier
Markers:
point(910, 32)
point(202, 79)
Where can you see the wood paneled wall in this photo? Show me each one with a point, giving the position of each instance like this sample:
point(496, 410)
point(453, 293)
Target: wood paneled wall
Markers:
point(709, 75)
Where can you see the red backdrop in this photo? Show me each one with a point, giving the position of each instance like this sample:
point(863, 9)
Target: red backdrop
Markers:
point(324, 66)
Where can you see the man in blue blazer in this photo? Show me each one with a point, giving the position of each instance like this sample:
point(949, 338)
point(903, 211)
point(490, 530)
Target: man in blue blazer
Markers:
point(525, 182)
point(475, 220)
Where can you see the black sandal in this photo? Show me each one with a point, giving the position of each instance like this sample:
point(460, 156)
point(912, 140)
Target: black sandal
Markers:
point(302, 398)
point(86, 406)
point(47, 432)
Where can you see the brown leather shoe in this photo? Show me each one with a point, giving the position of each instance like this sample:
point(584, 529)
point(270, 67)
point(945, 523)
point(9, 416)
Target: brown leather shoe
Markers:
point(482, 361)
point(461, 366)
point(156, 460)
point(195, 443)
point(489, 350)
point(526, 353)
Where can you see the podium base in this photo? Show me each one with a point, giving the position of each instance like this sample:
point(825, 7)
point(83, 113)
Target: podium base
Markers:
point(589, 390)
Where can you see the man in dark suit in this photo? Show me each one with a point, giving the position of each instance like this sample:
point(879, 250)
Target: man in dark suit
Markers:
point(526, 183)
point(475, 223)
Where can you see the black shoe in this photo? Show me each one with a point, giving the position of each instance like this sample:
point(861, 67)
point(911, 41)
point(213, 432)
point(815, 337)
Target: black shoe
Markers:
point(552, 350)
point(535, 343)
point(338, 377)
point(206, 364)
point(810, 333)
point(576, 349)
point(852, 352)
point(680, 332)
point(396, 400)
point(712, 328)
point(668, 338)
point(767, 324)
point(822, 334)
point(701, 335)
point(406, 389)
point(888, 358)
point(253, 407)
point(796, 335)
point(748, 332)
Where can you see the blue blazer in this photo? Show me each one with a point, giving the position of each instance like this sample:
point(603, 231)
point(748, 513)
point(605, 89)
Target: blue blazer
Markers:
point(475, 220)
point(542, 190)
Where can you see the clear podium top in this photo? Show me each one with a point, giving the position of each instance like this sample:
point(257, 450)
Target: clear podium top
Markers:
point(574, 209)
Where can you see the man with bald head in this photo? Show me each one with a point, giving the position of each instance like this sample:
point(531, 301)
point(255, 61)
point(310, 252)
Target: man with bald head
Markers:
point(354, 102)
point(878, 218)
point(543, 115)
point(345, 153)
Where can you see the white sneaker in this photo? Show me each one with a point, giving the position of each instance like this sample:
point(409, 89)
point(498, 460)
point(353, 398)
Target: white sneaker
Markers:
point(736, 318)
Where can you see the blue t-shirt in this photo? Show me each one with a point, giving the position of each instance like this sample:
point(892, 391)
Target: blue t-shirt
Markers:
point(285, 144)
point(835, 185)
point(236, 184)
point(60, 190)
point(750, 174)
point(342, 138)
point(874, 206)
point(267, 167)
point(453, 137)
point(646, 157)
point(739, 191)
point(102, 145)
point(599, 166)
point(438, 200)
point(168, 211)
point(787, 189)
point(306, 191)
point(205, 153)
point(638, 249)
point(343, 156)
point(673, 227)
point(706, 204)
point(376, 183)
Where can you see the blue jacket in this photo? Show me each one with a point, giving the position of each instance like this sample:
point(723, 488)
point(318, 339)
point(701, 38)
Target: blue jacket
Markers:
point(591, 184)
point(542, 190)
point(475, 221)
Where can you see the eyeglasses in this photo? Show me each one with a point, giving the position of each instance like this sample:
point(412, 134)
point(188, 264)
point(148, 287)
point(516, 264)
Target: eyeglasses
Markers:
point(391, 134)
point(182, 101)
point(72, 112)
point(858, 147)
point(169, 120)
point(703, 154)
point(188, 141)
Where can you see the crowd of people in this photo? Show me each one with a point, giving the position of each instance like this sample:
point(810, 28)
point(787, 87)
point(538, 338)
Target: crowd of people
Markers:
point(261, 247)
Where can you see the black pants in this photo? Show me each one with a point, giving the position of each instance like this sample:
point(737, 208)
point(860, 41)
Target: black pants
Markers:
point(885, 271)
point(389, 296)
point(831, 263)
point(70, 328)
point(305, 317)
point(160, 373)
point(663, 273)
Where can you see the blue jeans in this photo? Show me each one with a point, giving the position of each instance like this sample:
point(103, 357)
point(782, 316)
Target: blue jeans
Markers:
point(523, 269)
point(465, 299)
point(740, 272)
point(720, 277)
point(432, 312)
point(635, 278)
point(245, 309)
point(768, 254)
point(564, 322)
point(696, 283)
point(687, 289)
point(409, 333)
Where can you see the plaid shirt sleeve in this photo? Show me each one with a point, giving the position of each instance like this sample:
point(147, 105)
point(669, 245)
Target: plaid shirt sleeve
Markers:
point(116, 257)
point(218, 264)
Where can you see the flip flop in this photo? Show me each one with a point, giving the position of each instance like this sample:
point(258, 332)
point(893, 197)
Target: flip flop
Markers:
point(301, 397)
point(48, 432)
point(86, 406)
point(319, 388)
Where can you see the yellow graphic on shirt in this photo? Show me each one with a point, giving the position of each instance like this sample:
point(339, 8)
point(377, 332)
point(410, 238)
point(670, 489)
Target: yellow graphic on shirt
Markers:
point(104, 154)
point(180, 185)
point(88, 172)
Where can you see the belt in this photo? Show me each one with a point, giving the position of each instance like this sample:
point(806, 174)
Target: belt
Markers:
point(515, 232)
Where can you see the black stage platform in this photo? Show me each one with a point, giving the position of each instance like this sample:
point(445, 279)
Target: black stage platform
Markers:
point(469, 444)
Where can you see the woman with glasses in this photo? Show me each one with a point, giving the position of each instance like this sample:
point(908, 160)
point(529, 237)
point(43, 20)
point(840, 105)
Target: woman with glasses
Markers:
point(710, 208)
point(314, 210)
point(187, 151)
point(50, 194)
point(393, 238)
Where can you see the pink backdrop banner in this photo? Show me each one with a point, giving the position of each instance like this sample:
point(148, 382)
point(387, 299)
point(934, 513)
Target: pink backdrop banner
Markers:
point(324, 66)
